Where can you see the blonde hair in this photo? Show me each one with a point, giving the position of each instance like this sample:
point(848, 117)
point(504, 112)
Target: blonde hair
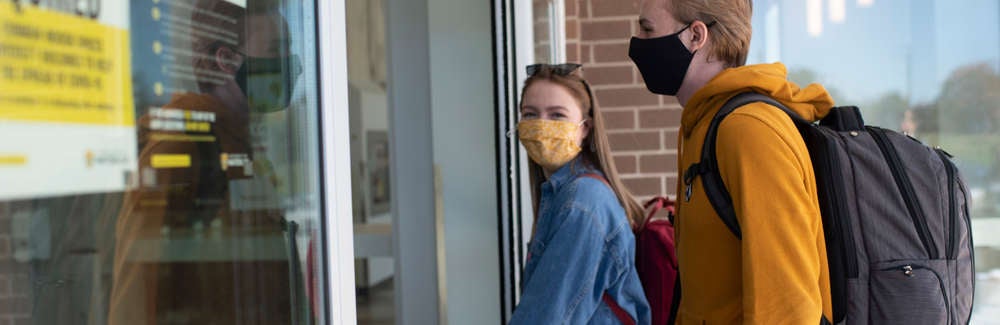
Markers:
point(596, 149)
point(732, 30)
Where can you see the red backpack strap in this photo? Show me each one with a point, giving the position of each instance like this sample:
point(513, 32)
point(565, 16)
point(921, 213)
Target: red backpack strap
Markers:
point(622, 315)
point(659, 203)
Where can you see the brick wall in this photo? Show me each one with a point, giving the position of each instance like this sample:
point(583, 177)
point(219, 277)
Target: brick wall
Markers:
point(642, 126)
point(540, 22)
point(15, 306)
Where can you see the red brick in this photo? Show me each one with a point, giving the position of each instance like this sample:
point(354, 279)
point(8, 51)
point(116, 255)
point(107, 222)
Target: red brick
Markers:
point(626, 164)
point(644, 186)
point(572, 28)
point(15, 306)
point(539, 8)
point(541, 32)
point(573, 52)
point(670, 139)
point(625, 97)
point(619, 120)
point(611, 53)
point(658, 163)
point(633, 141)
point(20, 285)
point(672, 187)
point(668, 101)
point(600, 76)
point(615, 30)
point(572, 8)
point(659, 118)
point(612, 8)
point(586, 56)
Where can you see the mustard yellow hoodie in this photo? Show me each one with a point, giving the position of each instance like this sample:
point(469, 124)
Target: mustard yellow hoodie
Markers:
point(778, 273)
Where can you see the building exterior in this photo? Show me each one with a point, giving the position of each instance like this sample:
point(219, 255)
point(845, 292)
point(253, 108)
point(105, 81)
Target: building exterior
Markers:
point(351, 161)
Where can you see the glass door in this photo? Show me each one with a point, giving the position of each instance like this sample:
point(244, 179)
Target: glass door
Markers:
point(167, 167)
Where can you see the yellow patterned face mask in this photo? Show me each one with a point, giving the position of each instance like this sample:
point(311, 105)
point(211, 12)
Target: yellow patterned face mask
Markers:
point(550, 144)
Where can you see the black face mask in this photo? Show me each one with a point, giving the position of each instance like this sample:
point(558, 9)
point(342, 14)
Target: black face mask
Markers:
point(268, 82)
point(662, 61)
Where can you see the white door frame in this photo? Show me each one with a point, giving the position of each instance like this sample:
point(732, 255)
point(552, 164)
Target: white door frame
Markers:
point(336, 149)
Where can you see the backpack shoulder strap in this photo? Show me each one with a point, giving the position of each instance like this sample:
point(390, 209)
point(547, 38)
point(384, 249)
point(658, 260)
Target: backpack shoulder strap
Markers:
point(708, 168)
point(597, 177)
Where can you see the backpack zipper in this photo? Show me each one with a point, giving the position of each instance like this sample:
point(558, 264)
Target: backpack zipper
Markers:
point(908, 272)
point(842, 224)
point(972, 247)
point(952, 218)
point(905, 189)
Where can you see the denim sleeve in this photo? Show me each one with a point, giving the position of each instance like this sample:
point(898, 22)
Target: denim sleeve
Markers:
point(562, 288)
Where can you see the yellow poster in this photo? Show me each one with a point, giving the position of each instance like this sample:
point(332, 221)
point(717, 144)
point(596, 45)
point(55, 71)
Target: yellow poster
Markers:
point(66, 106)
point(60, 67)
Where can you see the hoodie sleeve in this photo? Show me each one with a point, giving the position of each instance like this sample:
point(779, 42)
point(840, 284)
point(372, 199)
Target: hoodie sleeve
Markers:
point(766, 167)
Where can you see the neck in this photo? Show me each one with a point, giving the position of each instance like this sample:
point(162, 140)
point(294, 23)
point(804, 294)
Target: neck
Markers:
point(232, 96)
point(697, 77)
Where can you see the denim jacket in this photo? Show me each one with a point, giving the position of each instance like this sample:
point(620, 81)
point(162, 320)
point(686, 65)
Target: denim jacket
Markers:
point(583, 247)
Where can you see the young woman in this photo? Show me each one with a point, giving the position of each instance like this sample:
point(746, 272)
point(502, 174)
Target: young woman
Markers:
point(581, 259)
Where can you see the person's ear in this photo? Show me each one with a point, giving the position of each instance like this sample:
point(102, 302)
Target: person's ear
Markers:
point(227, 60)
point(697, 35)
point(585, 129)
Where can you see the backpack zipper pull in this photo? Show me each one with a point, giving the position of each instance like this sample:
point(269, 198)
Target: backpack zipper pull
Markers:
point(907, 270)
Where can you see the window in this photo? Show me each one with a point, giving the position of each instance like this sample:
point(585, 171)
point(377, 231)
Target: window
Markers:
point(166, 163)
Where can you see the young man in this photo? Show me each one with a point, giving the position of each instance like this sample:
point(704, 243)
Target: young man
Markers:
point(777, 273)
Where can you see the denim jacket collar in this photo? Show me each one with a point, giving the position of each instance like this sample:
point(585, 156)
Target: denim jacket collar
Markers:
point(570, 171)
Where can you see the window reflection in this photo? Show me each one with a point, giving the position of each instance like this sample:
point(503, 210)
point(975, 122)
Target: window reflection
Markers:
point(215, 219)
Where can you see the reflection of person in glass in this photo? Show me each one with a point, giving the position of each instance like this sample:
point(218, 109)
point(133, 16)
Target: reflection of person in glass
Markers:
point(187, 248)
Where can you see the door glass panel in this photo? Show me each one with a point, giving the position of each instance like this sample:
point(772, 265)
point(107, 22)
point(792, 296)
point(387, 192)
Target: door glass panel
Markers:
point(166, 170)
point(920, 73)
point(369, 114)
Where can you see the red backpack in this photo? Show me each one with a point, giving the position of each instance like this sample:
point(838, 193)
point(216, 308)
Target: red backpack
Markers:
point(655, 261)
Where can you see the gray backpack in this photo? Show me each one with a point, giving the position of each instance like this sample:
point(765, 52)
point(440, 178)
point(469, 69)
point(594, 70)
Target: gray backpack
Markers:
point(895, 217)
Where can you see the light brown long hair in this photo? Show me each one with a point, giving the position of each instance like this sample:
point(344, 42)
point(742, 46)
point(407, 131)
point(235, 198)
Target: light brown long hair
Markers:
point(596, 150)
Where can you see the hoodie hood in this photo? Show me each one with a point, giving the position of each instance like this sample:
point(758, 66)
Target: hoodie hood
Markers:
point(812, 103)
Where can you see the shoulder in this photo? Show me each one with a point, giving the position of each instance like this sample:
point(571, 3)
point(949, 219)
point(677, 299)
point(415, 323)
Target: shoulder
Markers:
point(592, 202)
point(761, 133)
point(758, 124)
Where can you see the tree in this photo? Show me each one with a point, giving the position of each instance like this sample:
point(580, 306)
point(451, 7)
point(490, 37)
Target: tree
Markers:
point(969, 102)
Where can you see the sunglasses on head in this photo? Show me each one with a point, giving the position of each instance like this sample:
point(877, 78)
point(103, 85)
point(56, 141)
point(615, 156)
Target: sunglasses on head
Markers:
point(564, 69)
